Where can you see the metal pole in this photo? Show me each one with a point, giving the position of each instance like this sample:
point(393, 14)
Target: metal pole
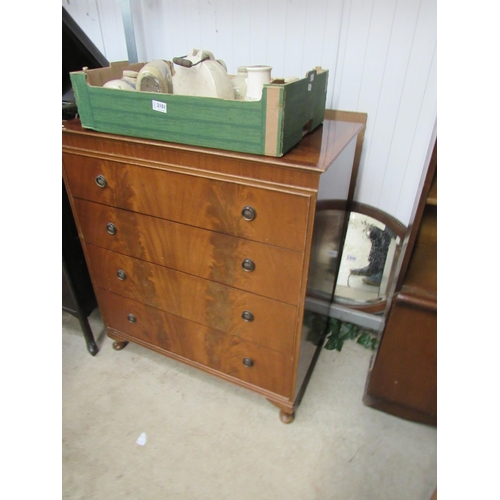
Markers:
point(128, 25)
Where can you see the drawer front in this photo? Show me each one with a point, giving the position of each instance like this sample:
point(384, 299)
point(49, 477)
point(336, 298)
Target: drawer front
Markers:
point(273, 272)
point(252, 317)
point(278, 218)
point(269, 369)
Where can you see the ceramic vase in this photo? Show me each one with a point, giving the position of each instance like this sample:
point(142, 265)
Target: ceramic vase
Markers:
point(258, 76)
point(239, 82)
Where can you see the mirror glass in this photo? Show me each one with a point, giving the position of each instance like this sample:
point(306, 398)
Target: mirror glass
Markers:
point(367, 264)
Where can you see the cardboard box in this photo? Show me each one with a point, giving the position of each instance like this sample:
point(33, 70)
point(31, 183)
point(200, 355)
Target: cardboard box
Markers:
point(271, 126)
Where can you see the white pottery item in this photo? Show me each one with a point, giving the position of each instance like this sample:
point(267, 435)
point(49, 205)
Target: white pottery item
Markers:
point(220, 61)
point(239, 82)
point(155, 76)
point(206, 77)
point(130, 77)
point(257, 77)
point(119, 84)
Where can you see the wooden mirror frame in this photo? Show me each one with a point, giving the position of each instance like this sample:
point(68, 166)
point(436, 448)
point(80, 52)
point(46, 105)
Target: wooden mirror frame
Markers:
point(400, 230)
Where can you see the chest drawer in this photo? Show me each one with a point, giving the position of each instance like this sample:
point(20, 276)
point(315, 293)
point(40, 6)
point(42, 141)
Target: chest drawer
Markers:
point(263, 269)
point(258, 214)
point(227, 354)
point(252, 317)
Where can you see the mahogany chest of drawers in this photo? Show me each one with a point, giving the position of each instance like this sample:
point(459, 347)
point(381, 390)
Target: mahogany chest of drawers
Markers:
point(204, 255)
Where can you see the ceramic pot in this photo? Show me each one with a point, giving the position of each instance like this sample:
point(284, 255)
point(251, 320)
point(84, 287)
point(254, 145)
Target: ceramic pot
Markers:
point(258, 76)
point(120, 84)
point(155, 76)
point(239, 82)
point(205, 77)
point(130, 77)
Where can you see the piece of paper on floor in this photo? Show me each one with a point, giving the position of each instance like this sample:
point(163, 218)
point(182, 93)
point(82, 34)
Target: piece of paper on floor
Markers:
point(141, 440)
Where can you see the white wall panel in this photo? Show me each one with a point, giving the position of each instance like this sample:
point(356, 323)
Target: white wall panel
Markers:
point(208, 27)
point(296, 14)
point(381, 55)
point(407, 127)
point(102, 22)
point(112, 30)
point(356, 26)
point(86, 14)
point(225, 49)
point(315, 28)
point(332, 57)
point(371, 88)
point(384, 121)
point(260, 24)
point(276, 41)
point(421, 146)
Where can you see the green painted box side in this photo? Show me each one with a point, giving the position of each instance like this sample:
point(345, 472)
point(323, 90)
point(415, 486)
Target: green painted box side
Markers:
point(198, 121)
point(304, 107)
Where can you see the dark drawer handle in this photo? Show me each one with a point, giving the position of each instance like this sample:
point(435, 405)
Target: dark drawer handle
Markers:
point(111, 228)
point(248, 362)
point(131, 318)
point(249, 213)
point(247, 316)
point(248, 265)
point(122, 275)
point(101, 181)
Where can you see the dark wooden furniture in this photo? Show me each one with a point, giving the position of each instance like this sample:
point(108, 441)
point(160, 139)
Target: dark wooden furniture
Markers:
point(78, 297)
point(403, 379)
point(202, 254)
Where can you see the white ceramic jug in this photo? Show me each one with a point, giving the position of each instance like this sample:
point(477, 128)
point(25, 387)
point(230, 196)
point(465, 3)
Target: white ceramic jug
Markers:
point(239, 82)
point(257, 77)
point(199, 74)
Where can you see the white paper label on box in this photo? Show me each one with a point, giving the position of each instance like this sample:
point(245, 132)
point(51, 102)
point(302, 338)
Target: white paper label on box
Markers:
point(160, 106)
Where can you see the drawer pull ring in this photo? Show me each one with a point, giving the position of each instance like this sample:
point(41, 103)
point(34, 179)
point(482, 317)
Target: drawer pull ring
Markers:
point(131, 318)
point(247, 316)
point(101, 181)
point(249, 213)
point(248, 362)
point(248, 265)
point(122, 275)
point(111, 228)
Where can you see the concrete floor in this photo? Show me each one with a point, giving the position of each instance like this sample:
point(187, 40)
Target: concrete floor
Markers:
point(207, 439)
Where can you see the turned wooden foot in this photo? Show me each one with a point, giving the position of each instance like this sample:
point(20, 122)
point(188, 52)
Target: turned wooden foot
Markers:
point(287, 413)
point(119, 345)
point(287, 418)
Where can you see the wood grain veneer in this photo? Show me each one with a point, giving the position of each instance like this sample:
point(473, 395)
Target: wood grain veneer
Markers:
point(191, 199)
point(211, 255)
point(196, 343)
point(207, 302)
point(170, 277)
